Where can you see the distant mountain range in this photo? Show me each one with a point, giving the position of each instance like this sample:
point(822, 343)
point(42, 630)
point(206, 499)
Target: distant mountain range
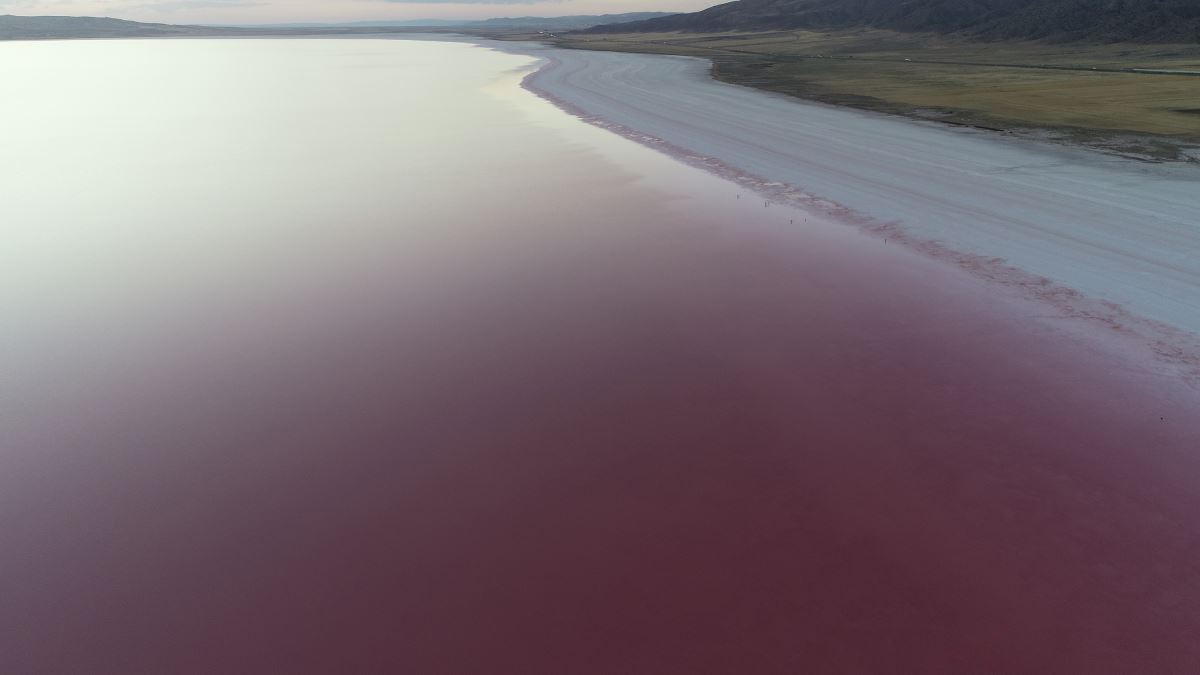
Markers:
point(574, 22)
point(423, 23)
point(1085, 20)
point(66, 27)
point(60, 27)
point(565, 22)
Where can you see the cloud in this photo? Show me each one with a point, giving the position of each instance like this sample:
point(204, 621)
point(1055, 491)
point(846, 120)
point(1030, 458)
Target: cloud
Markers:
point(171, 5)
point(176, 5)
point(116, 7)
point(473, 2)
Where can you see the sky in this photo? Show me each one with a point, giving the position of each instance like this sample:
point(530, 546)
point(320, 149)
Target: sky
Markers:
point(280, 11)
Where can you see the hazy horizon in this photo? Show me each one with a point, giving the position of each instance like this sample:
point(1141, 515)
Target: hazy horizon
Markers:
point(301, 11)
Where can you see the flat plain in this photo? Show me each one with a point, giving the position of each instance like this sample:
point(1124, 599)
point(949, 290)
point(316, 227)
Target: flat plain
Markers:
point(1087, 94)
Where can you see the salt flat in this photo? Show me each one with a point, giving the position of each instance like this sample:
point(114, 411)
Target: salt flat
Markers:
point(1115, 229)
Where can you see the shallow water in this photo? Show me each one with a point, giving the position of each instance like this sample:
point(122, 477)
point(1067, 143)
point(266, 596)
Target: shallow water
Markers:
point(353, 356)
point(1119, 230)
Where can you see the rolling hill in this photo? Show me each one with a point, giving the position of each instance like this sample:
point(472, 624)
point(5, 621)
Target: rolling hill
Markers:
point(1085, 20)
point(68, 27)
point(562, 22)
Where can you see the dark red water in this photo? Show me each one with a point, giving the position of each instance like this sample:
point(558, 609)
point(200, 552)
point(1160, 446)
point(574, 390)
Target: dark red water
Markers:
point(665, 448)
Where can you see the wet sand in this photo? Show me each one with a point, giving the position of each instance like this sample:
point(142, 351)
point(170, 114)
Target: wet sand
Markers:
point(634, 420)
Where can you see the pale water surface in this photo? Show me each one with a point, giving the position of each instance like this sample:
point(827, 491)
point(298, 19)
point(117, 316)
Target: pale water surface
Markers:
point(354, 356)
point(164, 200)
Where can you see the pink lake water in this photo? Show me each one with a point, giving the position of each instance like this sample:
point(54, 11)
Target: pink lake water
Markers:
point(354, 356)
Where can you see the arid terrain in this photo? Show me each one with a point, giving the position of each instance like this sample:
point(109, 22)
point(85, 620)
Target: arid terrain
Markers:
point(1078, 93)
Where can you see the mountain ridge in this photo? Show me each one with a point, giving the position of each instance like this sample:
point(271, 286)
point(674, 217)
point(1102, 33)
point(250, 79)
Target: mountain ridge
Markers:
point(1066, 20)
point(62, 27)
point(68, 27)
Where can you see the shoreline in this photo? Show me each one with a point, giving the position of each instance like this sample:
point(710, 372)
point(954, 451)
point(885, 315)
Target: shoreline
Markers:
point(771, 62)
point(1169, 342)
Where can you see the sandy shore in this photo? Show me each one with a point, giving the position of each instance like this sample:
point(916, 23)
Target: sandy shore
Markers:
point(1119, 231)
